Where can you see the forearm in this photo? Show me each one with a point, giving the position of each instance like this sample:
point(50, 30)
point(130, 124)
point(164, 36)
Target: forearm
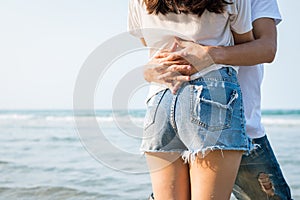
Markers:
point(261, 50)
point(246, 54)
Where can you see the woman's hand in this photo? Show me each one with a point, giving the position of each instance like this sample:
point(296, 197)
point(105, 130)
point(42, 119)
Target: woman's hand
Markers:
point(167, 74)
point(174, 66)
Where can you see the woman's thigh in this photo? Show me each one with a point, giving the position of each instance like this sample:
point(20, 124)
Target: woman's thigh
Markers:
point(169, 175)
point(213, 176)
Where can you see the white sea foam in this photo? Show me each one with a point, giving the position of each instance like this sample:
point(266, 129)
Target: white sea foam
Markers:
point(56, 118)
point(274, 121)
point(108, 117)
point(16, 116)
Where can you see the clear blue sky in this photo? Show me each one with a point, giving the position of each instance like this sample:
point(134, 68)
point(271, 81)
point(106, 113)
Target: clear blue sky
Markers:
point(43, 45)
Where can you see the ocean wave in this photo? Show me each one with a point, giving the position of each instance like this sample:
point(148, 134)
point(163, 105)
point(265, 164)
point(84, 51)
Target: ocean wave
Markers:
point(269, 117)
point(16, 116)
point(68, 116)
point(63, 139)
point(272, 121)
point(58, 118)
point(3, 162)
point(280, 112)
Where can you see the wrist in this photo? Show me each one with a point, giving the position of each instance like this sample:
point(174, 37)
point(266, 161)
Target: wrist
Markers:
point(217, 54)
point(147, 74)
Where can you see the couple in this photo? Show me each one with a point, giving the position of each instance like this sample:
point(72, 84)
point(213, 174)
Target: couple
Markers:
point(195, 131)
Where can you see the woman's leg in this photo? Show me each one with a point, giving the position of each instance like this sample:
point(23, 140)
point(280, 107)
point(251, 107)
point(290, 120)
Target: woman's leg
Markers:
point(213, 176)
point(169, 175)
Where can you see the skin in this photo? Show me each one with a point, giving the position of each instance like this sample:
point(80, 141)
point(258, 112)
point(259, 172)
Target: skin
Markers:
point(175, 70)
point(211, 177)
point(207, 178)
point(169, 176)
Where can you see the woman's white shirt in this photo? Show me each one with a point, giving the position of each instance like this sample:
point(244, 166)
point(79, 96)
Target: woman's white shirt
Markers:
point(210, 29)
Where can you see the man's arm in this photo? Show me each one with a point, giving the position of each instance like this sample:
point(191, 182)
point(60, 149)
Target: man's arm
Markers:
point(261, 50)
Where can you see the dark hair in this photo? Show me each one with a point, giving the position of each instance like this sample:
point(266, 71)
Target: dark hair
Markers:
point(196, 7)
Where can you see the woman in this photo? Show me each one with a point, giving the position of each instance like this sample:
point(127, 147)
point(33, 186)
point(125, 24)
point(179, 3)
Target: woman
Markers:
point(194, 140)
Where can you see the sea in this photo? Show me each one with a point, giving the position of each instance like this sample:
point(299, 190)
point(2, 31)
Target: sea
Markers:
point(91, 155)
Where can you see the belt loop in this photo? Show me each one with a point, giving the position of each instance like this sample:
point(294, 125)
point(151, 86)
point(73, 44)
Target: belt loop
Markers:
point(229, 69)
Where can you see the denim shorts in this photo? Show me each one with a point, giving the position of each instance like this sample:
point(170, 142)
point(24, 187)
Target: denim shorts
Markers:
point(205, 115)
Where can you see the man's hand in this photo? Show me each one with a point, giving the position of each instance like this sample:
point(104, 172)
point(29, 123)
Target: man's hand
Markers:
point(195, 54)
point(175, 66)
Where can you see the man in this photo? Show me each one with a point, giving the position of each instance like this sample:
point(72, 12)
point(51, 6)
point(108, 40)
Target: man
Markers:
point(259, 176)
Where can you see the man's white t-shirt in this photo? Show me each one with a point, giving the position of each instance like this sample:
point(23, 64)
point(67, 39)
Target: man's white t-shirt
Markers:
point(250, 78)
point(209, 29)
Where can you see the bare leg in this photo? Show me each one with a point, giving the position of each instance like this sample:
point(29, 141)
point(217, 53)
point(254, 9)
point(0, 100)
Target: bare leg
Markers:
point(169, 175)
point(213, 177)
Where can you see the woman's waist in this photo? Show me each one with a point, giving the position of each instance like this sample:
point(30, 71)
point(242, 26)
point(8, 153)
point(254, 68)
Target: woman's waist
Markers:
point(216, 72)
point(223, 73)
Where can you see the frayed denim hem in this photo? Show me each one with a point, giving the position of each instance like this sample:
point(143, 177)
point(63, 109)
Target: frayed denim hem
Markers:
point(252, 146)
point(179, 151)
point(189, 156)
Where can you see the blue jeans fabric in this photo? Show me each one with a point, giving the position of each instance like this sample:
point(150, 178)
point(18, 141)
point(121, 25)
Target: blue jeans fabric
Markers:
point(206, 114)
point(260, 176)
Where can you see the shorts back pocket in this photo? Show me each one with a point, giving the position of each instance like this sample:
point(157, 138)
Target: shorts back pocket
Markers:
point(213, 114)
point(152, 106)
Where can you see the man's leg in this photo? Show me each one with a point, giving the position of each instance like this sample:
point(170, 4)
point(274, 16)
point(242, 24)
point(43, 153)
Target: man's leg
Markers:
point(260, 176)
